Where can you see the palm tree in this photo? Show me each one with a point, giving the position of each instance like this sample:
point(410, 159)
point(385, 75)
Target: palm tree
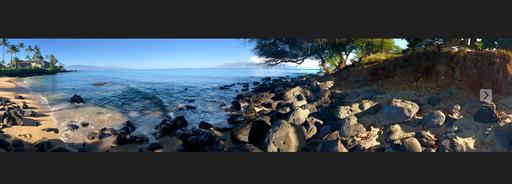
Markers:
point(13, 49)
point(29, 51)
point(21, 46)
point(4, 42)
point(37, 53)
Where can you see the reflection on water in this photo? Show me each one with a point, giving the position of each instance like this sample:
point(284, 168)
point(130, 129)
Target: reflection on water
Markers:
point(144, 96)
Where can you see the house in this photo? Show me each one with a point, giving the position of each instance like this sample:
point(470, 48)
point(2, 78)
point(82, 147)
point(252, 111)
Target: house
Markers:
point(24, 64)
point(33, 64)
point(40, 64)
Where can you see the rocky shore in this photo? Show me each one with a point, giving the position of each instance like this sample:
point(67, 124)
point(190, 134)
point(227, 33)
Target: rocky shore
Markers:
point(310, 113)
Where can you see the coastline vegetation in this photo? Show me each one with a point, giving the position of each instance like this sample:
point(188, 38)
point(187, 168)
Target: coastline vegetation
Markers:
point(33, 64)
point(334, 55)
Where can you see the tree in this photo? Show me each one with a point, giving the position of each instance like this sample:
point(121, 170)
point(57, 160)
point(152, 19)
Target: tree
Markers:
point(21, 46)
point(5, 43)
point(13, 49)
point(29, 51)
point(332, 53)
point(53, 61)
point(488, 43)
point(37, 53)
point(366, 47)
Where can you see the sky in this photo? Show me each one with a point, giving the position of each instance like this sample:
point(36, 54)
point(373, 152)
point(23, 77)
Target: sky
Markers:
point(150, 53)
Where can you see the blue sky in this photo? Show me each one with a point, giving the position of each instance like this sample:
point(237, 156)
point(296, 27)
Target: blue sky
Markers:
point(147, 53)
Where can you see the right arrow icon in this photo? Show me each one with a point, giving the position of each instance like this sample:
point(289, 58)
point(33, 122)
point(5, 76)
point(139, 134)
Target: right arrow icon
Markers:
point(485, 95)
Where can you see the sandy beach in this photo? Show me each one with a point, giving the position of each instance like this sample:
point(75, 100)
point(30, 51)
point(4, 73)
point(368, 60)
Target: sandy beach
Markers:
point(32, 131)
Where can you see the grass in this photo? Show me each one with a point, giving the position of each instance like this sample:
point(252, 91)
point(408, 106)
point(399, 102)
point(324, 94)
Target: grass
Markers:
point(27, 72)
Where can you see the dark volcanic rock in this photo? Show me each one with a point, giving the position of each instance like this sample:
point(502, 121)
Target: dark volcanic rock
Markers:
point(54, 130)
point(72, 126)
point(259, 129)
point(236, 106)
point(43, 146)
point(486, 113)
point(5, 145)
point(168, 127)
point(240, 134)
point(12, 117)
point(205, 125)
point(154, 147)
point(76, 99)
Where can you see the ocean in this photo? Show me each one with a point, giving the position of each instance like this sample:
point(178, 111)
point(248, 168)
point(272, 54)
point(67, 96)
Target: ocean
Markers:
point(145, 97)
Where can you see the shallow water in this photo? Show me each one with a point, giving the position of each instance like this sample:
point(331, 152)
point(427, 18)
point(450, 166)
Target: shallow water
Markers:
point(144, 96)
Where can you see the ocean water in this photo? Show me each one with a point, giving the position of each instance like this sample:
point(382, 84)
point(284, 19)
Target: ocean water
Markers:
point(144, 96)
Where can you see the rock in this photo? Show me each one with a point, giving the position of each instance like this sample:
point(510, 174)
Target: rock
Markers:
point(19, 97)
point(426, 139)
point(411, 144)
point(503, 134)
point(236, 106)
point(395, 132)
point(371, 93)
point(398, 111)
point(72, 126)
point(29, 113)
point(205, 125)
point(259, 129)
point(486, 113)
point(298, 116)
point(236, 118)
point(54, 130)
point(76, 99)
point(190, 100)
point(43, 146)
point(5, 145)
point(343, 112)
point(292, 94)
point(434, 100)
point(332, 143)
point(434, 119)
point(326, 84)
point(154, 147)
point(168, 127)
point(190, 107)
point(350, 127)
point(452, 143)
point(24, 105)
point(255, 83)
point(18, 145)
point(183, 134)
point(84, 124)
point(12, 117)
point(310, 127)
point(240, 134)
point(282, 137)
point(456, 109)
point(99, 83)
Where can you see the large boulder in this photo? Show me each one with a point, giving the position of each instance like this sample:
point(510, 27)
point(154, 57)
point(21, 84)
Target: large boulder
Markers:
point(350, 127)
point(332, 143)
point(434, 119)
point(291, 95)
point(411, 144)
point(282, 137)
point(12, 117)
point(257, 132)
point(76, 99)
point(298, 116)
point(240, 134)
point(398, 111)
point(486, 113)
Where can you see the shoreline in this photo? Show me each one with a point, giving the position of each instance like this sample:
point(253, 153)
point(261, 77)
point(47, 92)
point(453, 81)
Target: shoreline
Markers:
point(32, 131)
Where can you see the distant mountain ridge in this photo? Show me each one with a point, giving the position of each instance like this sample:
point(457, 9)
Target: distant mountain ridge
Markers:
point(91, 67)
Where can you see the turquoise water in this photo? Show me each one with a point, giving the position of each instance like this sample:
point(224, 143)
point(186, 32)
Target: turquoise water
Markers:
point(147, 96)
